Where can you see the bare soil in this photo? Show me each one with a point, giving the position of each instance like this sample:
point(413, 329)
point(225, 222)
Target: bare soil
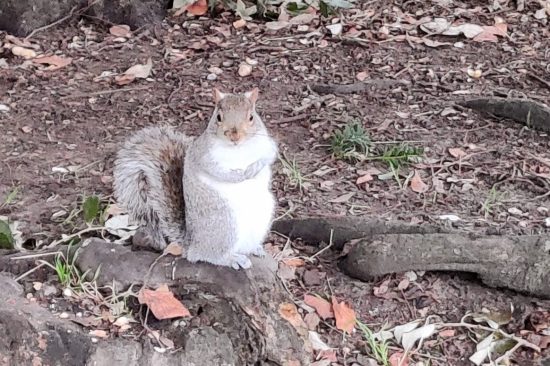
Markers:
point(75, 119)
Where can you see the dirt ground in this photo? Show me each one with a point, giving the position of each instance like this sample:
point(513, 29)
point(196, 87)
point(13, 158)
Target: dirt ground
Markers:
point(76, 117)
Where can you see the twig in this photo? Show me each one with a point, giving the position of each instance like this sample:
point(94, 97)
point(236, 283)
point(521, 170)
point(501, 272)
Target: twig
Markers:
point(110, 91)
point(59, 21)
point(34, 255)
point(325, 248)
point(30, 271)
point(290, 119)
point(547, 83)
point(69, 237)
point(519, 340)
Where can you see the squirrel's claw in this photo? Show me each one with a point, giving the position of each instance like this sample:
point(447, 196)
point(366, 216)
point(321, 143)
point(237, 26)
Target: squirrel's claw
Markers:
point(240, 261)
point(259, 252)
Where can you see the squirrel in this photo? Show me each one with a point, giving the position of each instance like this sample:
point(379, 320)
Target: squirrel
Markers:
point(211, 193)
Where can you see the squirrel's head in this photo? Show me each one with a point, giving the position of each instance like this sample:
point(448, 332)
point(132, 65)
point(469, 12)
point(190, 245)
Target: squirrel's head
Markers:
point(235, 118)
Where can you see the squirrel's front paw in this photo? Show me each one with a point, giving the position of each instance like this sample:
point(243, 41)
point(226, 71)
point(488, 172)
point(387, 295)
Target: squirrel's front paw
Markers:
point(240, 261)
point(259, 252)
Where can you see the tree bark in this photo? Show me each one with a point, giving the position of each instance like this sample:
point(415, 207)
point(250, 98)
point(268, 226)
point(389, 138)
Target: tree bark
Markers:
point(520, 263)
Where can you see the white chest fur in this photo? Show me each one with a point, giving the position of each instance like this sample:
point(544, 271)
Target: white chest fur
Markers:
point(251, 201)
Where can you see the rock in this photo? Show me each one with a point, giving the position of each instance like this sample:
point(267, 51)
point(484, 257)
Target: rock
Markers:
point(134, 13)
point(245, 70)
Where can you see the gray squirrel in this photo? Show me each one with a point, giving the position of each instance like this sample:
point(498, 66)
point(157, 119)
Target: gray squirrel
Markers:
point(212, 194)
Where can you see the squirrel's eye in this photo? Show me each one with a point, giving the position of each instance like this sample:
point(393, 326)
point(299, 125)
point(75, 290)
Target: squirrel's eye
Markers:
point(251, 118)
point(219, 117)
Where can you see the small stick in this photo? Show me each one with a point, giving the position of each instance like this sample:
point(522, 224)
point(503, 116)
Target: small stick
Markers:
point(30, 271)
point(59, 21)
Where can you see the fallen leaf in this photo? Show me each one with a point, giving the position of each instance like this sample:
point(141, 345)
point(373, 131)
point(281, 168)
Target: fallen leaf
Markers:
point(404, 284)
point(294, 262)
point(316, 342)
point(121, 30)
point(174, 249)
point(457, 152)
point(399, 330)
point(162, 303)
point(345, 316)
point(417, 185)
point(55, 62)
point(140, 71)
point(321, 306)
point(361, 76)
point(343, 198)
point(447, 333)
point(286, 272)
point(277, 25)
point(26, 53)
point(395, 359)
point(328, 354)
point(26, 129)
point(490, 33)
point(199, 7)
point(304, 18)
point(364, 179)
point(312, 320)
point(313, 277)
point(335, 29)
point(409, 339)
point(239, 23)
point(289, 312)
point(99, 333)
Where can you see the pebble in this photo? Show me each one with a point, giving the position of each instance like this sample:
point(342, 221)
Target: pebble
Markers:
point(67, 292)
point(547, 222)
point(4, 108)
point(64, 315)
point(245, 70)
point(227, 63)
point(215, 70)
point(211, 77)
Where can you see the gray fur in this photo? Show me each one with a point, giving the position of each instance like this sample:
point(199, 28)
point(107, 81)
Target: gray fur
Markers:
point(205, 223)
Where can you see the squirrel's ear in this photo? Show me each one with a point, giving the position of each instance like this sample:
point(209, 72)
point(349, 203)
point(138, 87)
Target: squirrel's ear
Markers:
point(252, 95)
point(218, 95)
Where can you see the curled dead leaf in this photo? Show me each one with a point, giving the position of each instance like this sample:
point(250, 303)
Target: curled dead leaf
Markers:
point(162, 303)
point(321, 306)
point(457, 152)
point(55, 62)
point(345, 316)
point(294, 262)
point(26, 53)
point(121, 30)
point(289, 312)
point(141, 71)
point(417, 185)
point(199, 7)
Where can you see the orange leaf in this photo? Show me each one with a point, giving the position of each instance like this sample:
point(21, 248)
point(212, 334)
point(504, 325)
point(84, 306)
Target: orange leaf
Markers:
point(162, 303)
point(199, 7)
point(289, 312)
point(417, 185)
point(55, 62)
point(294, 262)
point(447, 333)
point(395, 359)
point(173, 249)
point(120, 30)
point(345, 317)
point(322, 306)
point(457, 152)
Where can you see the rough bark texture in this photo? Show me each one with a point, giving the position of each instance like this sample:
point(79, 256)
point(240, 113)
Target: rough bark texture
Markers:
point(244, 303)
point(520, 263)
point(533, 114)
point(20, 17)
point(244, 326)
point(318, 229)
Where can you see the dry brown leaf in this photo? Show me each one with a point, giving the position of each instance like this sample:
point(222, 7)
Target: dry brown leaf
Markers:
point(294, 262)
point(121, 30)
point(55, 62)
point(490, 33)
point(312, 320)
point(141, 71)
point(361, 76)
point(199, 7)
point(417, 185)
point(321, 306)
point(345, 316)
point(162, 303)
point(289, 312)
point(239, 23)
point(329, 354)
point(447, 333)
point(395, 359)
point(364, 179)
point(99, 333)
point(174, 249)
point(457, 152)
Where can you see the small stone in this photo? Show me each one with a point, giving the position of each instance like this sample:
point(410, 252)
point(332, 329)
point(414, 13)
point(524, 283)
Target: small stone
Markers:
point(4, 108)
point(64, 315)
point(335, 29)
point(67, 292)
point(227, 63)
point(211, 77)
point(26, 129)
point(245, 70)
point(313, 277)
point(515, 211)
point(547, 222)
point(49, 290)
point(251, 61)
point(239, 23)
point(215, 70)
point(37, 286)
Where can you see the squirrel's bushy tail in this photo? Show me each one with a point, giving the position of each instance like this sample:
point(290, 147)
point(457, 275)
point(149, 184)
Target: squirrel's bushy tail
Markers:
point(148, 182)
